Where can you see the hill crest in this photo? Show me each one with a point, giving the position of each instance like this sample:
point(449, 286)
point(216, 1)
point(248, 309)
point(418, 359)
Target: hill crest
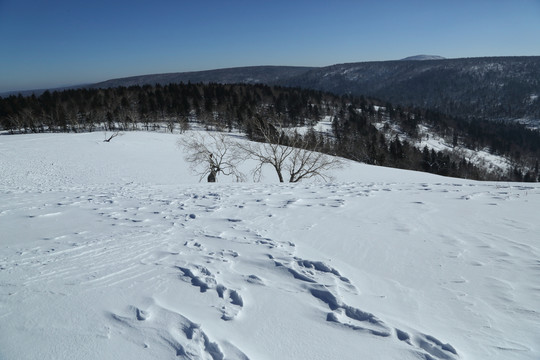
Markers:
point(424, 57)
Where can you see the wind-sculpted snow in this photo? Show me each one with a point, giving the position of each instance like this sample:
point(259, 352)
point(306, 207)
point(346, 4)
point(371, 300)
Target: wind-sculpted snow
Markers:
point(437, 269)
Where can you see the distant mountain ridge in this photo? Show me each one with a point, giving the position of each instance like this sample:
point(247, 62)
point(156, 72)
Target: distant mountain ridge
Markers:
point(425, 57)
point(494, 88)
point(243, 75)
point(266, 74)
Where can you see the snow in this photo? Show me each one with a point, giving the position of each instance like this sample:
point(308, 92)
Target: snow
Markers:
point(481, 158)
point(114, 251)
point(532, 124)
point(324, 126)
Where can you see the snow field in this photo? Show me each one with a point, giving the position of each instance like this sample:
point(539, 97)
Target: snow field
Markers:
point(113, 251)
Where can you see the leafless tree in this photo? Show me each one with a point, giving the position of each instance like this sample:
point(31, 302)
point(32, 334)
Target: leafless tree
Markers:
point(288, 153)
point(212, 153)
point(183, 124)
point(114, 134)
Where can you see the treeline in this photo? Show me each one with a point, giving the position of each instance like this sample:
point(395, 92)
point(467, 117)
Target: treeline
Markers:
point(356, 122)
point(149, 107)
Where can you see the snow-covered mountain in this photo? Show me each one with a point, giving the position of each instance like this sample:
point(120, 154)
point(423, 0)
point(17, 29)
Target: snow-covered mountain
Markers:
point(424, 57)
point(114, 251)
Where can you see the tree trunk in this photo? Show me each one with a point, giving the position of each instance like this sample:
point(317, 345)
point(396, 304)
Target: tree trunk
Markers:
point(278, 170)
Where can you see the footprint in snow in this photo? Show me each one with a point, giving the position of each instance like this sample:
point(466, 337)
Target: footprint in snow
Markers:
point(201, 277)
point(185, 338)
point(310, 272)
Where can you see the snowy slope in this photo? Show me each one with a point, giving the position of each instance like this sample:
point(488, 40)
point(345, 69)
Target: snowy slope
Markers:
point(483, 159)
point(113, 251)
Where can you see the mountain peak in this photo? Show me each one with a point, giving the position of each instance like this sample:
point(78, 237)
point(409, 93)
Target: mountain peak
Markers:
point(424, 57)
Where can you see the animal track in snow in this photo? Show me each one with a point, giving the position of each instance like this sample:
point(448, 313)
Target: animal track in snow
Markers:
point(434, 348)
point(254, 279)
point(353, 318)
point(310, 271)
point(317, 279)
point(171, 330)
point(314, 273)
point(202, 278)
point(322, 267)
point(349, 316)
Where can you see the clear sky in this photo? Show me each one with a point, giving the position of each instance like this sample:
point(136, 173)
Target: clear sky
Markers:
point(50, 43)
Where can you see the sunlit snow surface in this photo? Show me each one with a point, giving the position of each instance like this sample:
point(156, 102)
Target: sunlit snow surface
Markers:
point(113, 251)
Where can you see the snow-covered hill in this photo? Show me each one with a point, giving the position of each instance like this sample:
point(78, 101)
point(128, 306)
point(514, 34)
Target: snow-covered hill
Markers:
point(424, 57)
point(113, 251)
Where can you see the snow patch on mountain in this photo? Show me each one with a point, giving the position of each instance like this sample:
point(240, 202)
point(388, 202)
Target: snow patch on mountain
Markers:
point(426, 138)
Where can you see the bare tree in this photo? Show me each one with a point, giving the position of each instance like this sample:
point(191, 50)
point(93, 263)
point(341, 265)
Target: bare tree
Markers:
point(288, 153)
point(183, 124)
point(212, 153)
point(115, 134)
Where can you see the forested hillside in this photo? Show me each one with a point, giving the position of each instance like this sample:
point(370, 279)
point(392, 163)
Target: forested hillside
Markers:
point(269, 75)
point(492, 88)
point(489, 88)
point(363, 129)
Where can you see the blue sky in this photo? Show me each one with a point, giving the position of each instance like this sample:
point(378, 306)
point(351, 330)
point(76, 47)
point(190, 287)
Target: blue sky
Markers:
point(50, 43)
